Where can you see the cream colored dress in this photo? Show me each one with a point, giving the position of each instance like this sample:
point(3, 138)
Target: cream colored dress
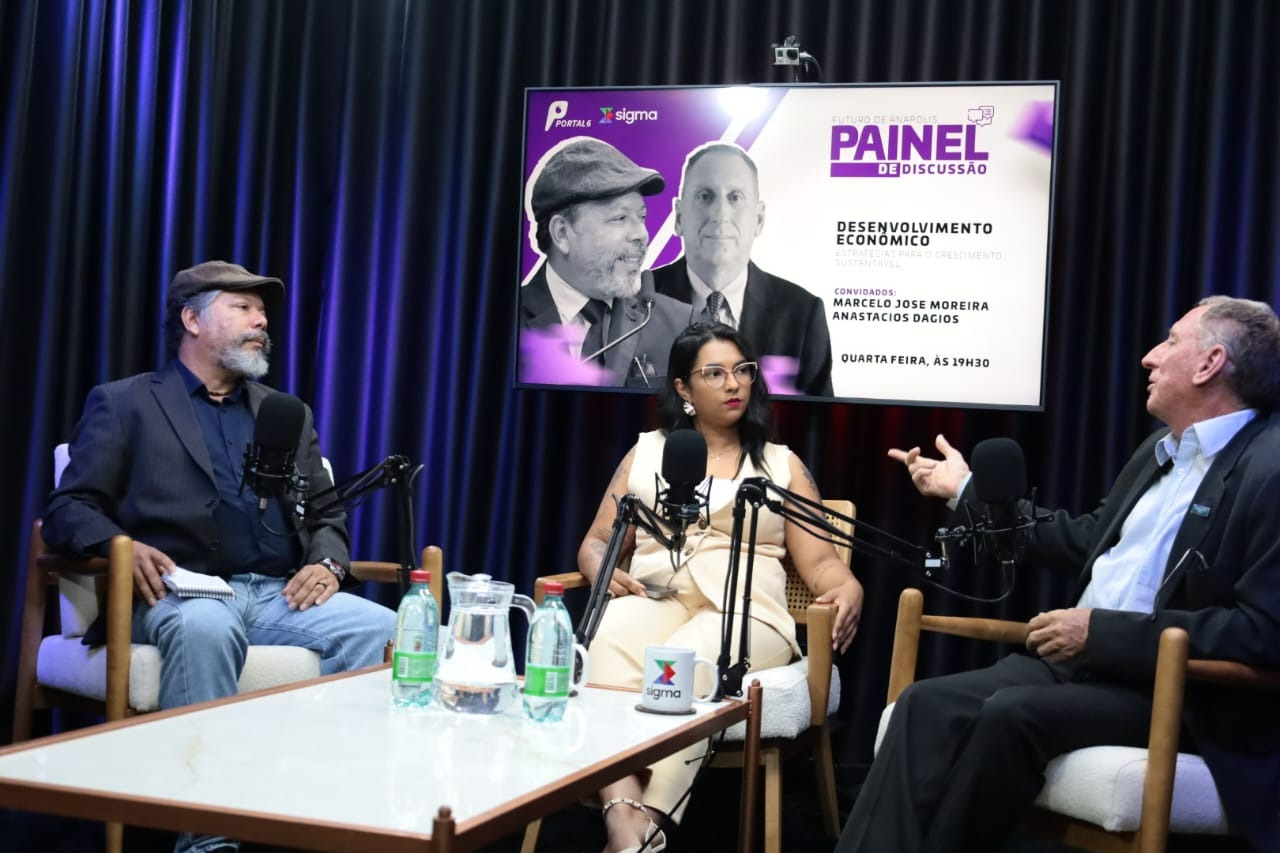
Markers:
point(706, 553)
point(692, 617)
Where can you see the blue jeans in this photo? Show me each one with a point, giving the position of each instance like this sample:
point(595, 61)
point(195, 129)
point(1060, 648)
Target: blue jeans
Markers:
point(203, 643)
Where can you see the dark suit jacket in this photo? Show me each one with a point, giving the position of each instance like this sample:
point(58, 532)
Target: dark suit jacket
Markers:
point(1229, 604)
point(651, 346)
point(778, 318)
point(139, 466)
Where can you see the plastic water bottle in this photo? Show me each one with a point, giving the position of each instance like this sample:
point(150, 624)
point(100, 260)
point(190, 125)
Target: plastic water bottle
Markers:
point(549, 658)
point(413, 663)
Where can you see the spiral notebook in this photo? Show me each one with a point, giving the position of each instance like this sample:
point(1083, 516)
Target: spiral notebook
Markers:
point(188, 584)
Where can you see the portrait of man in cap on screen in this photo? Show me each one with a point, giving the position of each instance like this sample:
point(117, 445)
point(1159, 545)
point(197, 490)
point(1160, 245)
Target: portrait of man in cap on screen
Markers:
point(589, 314)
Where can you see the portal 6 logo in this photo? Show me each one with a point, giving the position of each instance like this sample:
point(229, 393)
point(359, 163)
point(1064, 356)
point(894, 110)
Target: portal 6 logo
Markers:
point(558, 116)
point(667, 674)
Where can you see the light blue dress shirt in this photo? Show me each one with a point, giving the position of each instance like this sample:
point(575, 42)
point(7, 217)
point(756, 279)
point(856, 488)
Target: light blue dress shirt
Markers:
point(1129, 574)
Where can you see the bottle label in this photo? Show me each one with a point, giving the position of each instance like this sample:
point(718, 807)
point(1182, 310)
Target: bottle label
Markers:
point(546, 681)
point(413, 667)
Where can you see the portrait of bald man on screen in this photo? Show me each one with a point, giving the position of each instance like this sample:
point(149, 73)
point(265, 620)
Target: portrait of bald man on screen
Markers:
point(589, 314)
point(719, 215)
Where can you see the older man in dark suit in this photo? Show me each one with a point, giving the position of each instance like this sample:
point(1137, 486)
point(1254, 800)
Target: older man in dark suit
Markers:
point(158, 457)
point(589, 299)
point(719, 214)
point(1186, 538)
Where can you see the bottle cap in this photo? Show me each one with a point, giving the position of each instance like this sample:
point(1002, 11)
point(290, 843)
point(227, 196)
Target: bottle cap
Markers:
point(420, 576)
point(553, 588)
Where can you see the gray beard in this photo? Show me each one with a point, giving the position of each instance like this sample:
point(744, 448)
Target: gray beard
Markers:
point(247, 364)
point(610, 284)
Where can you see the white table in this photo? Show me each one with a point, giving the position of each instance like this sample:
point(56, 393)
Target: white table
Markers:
point(330, 765)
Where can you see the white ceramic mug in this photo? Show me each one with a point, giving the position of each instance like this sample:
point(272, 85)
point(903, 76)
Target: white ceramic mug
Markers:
point(668, 680)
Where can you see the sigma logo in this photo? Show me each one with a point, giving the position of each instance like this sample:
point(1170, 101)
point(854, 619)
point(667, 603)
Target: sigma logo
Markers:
point(667, 674)
point(610, 115)
point(558, 116)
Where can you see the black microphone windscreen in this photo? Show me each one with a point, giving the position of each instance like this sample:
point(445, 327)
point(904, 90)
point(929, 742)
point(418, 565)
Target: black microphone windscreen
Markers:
point(999, 471)
point(279, 422)
point(684, 464)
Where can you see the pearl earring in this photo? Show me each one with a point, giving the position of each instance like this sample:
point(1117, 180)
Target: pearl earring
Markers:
point(688, 408)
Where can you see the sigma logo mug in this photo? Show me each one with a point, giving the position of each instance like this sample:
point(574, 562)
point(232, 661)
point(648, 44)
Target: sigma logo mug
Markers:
point(668, 680)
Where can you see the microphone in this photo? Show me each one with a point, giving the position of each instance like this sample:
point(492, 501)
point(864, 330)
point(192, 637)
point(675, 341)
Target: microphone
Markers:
point(999, 480)
point(645, 298)
point(684, 466)
point(268, 461)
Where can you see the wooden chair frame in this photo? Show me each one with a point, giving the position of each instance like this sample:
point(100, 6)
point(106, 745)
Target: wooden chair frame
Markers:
point(1173, 668)
point(819, 620)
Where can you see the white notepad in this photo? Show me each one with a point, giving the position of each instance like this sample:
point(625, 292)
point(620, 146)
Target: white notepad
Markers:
point(189, 584)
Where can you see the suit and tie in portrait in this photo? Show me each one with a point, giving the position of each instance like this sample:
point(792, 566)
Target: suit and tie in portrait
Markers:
point(719, 215)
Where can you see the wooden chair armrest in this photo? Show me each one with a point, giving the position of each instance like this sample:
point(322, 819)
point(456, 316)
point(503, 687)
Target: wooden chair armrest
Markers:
point(375, 571)
point(820, 631)
point(996, 630)
point(56, 564)
point(571, 580)
point(911, 621)
point(1233, 674)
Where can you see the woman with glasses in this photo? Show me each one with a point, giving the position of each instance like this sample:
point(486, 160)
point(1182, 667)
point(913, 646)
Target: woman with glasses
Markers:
point(714, 386)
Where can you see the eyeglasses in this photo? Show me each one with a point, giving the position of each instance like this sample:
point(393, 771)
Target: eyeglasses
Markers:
point(715, 374)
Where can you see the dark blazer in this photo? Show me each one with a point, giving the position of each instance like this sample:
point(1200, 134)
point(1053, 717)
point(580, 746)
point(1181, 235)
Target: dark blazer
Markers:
point(778, 318)
point(649, 348)
point(1229, 603)
point(139, 466)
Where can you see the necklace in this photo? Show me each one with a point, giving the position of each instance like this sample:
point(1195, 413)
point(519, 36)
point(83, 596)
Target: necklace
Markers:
point(716, 456)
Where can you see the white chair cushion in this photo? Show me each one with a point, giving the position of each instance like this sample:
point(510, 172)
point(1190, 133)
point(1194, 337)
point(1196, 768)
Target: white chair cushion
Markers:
point(65, 664)
point(271, 666)
point(786, 700)
point(1103, 785)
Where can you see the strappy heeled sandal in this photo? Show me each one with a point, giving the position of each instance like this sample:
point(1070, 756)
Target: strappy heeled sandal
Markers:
point(654, 838)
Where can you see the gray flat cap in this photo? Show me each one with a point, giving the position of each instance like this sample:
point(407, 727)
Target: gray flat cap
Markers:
point(588, 170)
point(221, 275)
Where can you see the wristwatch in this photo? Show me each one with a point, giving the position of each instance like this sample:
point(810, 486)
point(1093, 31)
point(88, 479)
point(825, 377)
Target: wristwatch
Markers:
point(339, 571)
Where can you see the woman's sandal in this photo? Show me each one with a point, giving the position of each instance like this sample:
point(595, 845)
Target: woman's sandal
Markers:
point(654, 838)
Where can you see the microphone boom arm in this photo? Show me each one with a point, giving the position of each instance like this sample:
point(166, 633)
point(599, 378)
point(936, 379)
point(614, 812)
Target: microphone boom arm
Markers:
point(395, 472)
point(648, 305)
point(631, 511)
point(811, 516)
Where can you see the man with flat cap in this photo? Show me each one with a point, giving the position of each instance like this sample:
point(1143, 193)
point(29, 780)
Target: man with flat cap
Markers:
point(586, 203)
point(159, 457)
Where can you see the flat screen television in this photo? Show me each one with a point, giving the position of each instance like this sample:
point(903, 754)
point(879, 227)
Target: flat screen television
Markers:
point(873, 243)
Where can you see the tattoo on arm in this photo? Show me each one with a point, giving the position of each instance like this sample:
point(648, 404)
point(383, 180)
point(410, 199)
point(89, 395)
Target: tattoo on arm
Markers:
point(812, 482)
point(617, 484)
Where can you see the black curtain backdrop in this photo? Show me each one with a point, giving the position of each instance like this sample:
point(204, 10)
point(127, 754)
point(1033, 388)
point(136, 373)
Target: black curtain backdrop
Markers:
point(368, 152)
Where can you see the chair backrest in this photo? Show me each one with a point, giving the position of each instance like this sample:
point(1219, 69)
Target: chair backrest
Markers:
point(79, 598)
point(799, 597)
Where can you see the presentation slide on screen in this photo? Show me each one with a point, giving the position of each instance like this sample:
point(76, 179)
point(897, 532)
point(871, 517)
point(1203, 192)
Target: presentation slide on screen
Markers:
point(897, 236)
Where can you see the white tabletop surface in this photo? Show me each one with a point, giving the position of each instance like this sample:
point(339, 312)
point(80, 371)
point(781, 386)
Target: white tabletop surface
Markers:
point(335, 751)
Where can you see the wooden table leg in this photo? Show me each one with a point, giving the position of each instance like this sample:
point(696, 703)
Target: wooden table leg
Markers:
point(442, 831)
point(750, 768)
